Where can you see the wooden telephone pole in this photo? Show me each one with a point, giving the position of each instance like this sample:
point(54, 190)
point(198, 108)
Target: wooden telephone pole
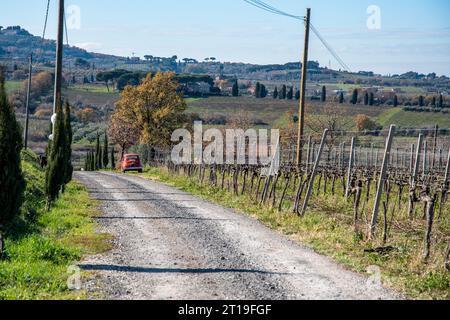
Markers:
point(59, 56)
point(301, 114)
point(27, 107)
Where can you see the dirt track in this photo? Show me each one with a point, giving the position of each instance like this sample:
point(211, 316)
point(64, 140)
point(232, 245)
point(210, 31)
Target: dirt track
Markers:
point(172, 245)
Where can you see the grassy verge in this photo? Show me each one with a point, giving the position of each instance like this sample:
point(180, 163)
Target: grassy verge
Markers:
point(42, 245)
point(327, 229)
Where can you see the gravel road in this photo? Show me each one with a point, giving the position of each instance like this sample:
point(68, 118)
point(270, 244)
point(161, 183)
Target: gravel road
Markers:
point(171, 245)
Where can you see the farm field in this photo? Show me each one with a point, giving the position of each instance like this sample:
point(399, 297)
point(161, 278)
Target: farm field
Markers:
point(94, 96)
point(414, 119)
point(270, 111)
point(94, 88)
point(12, 86)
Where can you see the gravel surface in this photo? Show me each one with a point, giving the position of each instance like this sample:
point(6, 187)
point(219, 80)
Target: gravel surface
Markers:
point(171, 245)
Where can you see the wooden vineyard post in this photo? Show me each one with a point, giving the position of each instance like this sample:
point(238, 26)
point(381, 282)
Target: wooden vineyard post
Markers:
point(447, 170)
point(341, 165)
point(350, 168)
point(376, 158)
point(435, 139)
point(371, 154)
point(411, 161)
point(313, 173)
point(414, 177)
point(425, 159)
point(308, 156)
point(384, 169)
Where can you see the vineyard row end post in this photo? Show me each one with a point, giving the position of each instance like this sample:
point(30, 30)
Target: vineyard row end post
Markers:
point(313, 173)
point(384, 169)
point(350, 168)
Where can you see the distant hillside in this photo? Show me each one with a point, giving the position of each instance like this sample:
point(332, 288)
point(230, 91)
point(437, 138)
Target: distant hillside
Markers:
point(17, 43)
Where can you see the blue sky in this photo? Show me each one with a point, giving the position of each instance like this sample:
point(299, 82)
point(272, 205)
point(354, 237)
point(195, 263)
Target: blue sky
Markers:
point(414, 34)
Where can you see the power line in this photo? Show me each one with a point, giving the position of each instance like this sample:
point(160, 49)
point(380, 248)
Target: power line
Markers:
point(264, 6)
point(330, 49)
point(46, 19)
point(65, 27)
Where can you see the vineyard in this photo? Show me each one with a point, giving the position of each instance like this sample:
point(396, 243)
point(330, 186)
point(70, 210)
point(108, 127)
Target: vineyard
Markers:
point(389, 188)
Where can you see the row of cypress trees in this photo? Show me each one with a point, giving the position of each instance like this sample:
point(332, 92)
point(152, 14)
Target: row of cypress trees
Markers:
point(59, 152)
point(59, 170)
point(100, 158)
point(12, 183)
point(260, 91)
point(284, 93)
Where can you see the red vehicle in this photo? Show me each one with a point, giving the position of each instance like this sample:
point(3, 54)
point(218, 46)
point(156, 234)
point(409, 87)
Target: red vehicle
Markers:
point(131, 162)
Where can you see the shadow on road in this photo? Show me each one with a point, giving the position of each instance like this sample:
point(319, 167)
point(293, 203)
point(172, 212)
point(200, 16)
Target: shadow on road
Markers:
point(143, 200)
point(91, 267)
point(158, 218)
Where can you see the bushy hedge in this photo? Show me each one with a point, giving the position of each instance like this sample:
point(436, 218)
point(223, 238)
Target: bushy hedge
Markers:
point(423, 109)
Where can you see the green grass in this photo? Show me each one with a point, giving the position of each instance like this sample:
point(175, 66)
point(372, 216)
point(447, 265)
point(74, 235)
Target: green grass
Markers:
point(91, 88)
point(41, 245)
point(269, 111)
point(12, 86)
point(327, 229)
point(409, 119)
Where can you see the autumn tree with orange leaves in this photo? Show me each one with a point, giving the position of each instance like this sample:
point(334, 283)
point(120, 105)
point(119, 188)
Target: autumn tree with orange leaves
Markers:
point(149, 113)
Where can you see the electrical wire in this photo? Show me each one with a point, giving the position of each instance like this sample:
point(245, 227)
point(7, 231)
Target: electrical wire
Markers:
point(46, 20)
point(65, 28)
point(330, 49)
point(264, 6)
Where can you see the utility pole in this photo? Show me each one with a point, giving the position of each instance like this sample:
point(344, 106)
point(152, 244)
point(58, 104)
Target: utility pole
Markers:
point(59, 58)
point(27, 108)
point(301, 114)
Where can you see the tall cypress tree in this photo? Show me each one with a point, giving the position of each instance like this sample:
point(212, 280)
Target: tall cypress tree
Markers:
point(12, 183)
point(262, 91)
point(86, 162)
point(355, 96)
point(441, 101)
point(323, 97)
point(366, 99)
point(421, 101)
point(54, 178)
point(106, 152)
point(283, 92)
point(98, 154)
point(395, 101)
point(341, 97)
point(275, 93)
point(290, 94)
point(235, 89)
point(371, 99)
point(258, 90)
point(113, 159)
point(68, 147)
point(93, 162)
